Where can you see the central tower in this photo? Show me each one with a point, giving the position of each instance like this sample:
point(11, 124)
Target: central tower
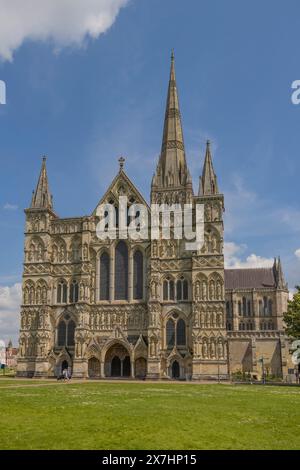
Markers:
point(186, 287)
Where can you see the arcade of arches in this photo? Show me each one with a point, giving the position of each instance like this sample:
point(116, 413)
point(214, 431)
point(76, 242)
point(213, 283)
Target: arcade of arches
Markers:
point(118, 364)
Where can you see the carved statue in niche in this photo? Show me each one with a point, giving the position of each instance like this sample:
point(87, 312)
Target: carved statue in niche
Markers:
point(85, 252)
point(220, 349)
point(204, 349)
point(54, 256)
point(208, 213)
point(154, 248)
point(211, 290)
point(40, 252)
point(204, 290)
point(44, 294)
point(35, 224)
point(196, 347)
point(197, 290)
point(153, 289)
point(153, 347)
point(219, 290)
point(81, 291)
point(212, 349)
point(62, 254)
point(22, 346)
point(214, 244)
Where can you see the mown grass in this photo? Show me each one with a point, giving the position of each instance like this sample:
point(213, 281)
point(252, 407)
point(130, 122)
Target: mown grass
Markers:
point(99, 415)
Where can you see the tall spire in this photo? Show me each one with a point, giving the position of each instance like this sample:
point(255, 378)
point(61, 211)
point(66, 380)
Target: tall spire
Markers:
point(172, 169)
point(41, 198)
point(278, 274)
point(208, 181)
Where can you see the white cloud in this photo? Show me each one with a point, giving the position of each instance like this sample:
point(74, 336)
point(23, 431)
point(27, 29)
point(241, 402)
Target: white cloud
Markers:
point(63, 22)
point(10, 207)
point(10, 300)
point(297, 253)
point(233, 257)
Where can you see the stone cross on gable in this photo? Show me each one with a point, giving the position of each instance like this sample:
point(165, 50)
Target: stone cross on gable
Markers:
point(121, 162)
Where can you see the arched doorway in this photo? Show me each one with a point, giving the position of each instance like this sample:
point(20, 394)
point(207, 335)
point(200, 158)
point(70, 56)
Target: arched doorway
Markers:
point(140, 368)
point(117, 362)
point(94, 367)
point(64, 365)
point(175, 370)
point(126, 367)
point(116, 367)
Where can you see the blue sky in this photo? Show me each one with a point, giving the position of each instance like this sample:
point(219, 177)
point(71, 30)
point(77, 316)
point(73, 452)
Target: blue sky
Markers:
point(85, 105)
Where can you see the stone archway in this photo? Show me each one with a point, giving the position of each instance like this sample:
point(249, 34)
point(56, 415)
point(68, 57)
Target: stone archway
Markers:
point(94, 367)
point(117, 361)
point(140, 368)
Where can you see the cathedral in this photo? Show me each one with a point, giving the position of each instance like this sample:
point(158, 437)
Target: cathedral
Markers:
point(143, 308)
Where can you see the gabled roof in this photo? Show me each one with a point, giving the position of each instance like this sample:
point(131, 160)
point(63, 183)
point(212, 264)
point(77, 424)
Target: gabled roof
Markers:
point(252, 278)
point(120, 178)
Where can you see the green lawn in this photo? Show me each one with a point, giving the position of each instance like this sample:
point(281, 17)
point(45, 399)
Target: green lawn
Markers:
point(101, 415)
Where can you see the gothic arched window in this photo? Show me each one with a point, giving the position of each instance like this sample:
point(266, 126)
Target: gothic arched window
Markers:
point(182, 289)
point(265, 306)
point(179, 293)
point(166, 290)
point(104, 276)
point(71, 333)
point(74, 292)
point(61, 333)
point(170, 333)
point(228, 308)
point(62, 292)
point(180, 333)
point(244, 306)
point(121, 271)
point(270, 307)
point(138, 278)
point(169, 289)
point(66, 331)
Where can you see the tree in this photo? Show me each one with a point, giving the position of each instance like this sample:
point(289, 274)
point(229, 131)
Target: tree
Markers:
point(292, 316)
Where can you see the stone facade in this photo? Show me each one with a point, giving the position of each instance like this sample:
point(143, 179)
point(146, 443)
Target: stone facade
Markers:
point(255, 302)
point(140, 308)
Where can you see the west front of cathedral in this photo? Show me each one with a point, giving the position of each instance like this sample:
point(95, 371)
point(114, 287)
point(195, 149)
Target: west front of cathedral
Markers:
point(145, 308)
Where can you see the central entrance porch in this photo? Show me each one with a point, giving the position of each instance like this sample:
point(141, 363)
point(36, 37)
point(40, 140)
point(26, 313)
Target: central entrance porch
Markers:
point(118, 362)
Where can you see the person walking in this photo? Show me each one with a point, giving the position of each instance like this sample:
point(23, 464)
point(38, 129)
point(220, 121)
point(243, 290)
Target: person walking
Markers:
point(65, 374)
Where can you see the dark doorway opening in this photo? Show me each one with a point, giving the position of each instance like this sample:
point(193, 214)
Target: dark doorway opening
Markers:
point(175, 370)
point(116, 367)
point(126, 367)
point(64, 365)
